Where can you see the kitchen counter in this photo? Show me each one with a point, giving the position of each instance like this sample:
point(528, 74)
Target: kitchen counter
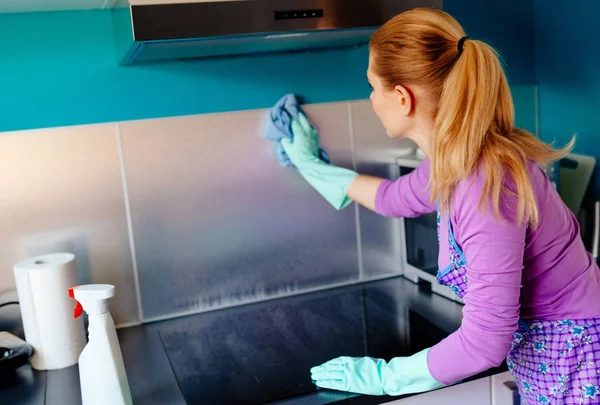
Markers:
point(261, 353)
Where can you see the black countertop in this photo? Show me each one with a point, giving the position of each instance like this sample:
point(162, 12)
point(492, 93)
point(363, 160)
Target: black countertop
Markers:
point(260, 353)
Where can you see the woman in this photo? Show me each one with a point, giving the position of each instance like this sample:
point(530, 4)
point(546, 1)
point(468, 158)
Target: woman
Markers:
point(508, 244)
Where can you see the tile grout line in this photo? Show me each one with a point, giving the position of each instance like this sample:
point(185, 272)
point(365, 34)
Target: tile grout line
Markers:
point(398, 232)
point(351, 128)
point(125, 325)
point(361, 270)
point(136, 278)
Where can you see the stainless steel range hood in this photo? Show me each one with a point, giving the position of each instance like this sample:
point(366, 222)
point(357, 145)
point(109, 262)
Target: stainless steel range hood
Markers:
point(163, 30)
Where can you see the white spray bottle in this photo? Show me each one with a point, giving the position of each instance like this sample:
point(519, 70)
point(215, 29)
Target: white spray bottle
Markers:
point(101, 369)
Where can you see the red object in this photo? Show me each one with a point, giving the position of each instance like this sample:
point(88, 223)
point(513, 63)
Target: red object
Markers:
point(78, 310)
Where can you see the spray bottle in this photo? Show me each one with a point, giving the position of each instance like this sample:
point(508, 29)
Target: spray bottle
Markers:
point(101, 369)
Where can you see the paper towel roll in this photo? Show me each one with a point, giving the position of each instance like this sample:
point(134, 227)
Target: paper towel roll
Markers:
point(47, 311)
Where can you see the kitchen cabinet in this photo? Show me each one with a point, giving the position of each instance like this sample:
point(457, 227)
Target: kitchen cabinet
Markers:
point(476, 392)
point(490, 390)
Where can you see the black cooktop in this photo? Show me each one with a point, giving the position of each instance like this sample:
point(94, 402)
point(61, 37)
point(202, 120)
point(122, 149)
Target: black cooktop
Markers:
point(262, 353)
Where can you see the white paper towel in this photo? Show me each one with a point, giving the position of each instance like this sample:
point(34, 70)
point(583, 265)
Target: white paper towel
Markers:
point(43, 284)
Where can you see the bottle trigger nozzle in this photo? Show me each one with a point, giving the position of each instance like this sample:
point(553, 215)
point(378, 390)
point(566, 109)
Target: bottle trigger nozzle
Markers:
point(78, 310)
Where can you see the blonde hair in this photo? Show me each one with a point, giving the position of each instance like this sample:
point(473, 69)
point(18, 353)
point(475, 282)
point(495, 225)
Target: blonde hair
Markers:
point(474, 111)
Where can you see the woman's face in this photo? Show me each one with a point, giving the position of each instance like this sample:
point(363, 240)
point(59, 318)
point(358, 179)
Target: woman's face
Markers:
point(392, 106)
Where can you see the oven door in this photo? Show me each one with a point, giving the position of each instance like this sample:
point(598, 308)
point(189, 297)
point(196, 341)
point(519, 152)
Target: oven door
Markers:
point(421, 247)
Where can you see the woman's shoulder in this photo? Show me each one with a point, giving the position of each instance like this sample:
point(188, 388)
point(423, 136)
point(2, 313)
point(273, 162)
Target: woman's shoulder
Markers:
point(469, 191)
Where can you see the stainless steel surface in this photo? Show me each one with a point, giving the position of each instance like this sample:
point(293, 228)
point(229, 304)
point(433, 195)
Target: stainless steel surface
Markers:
point(420, 245)
point(376, 153)
point(160, 51)
point(188, 30)
point(221, 18)
point(215, 220)
point(61, 191)
point(218, 222)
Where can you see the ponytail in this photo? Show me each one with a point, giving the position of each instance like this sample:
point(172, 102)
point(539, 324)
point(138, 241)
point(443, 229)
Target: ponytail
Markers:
point(474, 129)
point(474, 115)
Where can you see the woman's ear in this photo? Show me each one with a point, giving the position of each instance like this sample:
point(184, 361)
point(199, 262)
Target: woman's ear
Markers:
point(406, 100)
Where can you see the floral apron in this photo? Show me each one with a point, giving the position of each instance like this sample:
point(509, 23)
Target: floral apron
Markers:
point(553, 362)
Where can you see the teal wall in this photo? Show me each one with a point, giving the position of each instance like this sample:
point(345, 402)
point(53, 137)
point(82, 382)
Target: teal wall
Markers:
point(507, 25)
point(568, 72)
point(60, 69)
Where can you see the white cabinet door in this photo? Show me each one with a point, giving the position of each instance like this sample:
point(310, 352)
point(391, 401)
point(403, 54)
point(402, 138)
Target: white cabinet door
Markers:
point(501, 394)
point(472, 393)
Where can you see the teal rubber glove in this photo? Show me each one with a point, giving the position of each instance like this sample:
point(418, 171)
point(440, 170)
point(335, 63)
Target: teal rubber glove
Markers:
point(369, 376)
point(330, 181)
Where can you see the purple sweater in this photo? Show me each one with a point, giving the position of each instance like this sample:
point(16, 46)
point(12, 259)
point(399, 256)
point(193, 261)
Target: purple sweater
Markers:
point(514, 271)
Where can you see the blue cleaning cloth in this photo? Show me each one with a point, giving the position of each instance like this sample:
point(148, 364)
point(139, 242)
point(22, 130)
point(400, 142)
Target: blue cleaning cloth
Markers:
point(279, 126)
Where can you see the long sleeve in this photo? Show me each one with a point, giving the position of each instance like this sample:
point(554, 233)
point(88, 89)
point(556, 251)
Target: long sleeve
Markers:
point(407, 196)
point(494, 250)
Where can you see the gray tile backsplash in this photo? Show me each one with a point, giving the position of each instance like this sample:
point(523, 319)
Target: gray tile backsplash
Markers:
point(61, 190)
point(376, 155)
point(214, 220)
point(217, 222)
